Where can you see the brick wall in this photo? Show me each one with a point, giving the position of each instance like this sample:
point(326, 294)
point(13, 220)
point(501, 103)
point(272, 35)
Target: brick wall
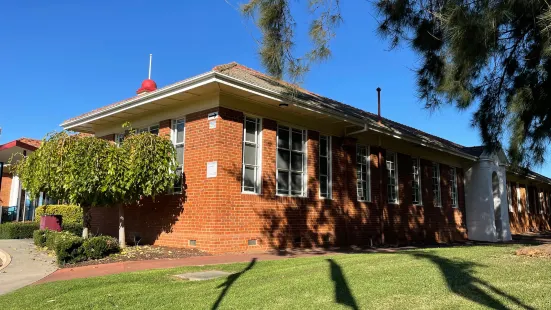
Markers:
point(533, 219)
point(215, 213)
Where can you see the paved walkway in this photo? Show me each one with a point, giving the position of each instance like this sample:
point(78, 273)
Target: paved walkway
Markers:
point(27, 265)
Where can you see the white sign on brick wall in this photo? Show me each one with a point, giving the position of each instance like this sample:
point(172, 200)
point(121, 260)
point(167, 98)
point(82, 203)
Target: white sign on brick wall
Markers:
point(212, 169)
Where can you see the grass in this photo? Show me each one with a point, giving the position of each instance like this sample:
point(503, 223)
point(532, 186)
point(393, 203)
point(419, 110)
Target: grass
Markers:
point(458, 277)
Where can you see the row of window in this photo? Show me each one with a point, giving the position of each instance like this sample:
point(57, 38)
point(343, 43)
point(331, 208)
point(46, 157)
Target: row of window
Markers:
point(291, 163)
point(534, 199)
point(291, 167)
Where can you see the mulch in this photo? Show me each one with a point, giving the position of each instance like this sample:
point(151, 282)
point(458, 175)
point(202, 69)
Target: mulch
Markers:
point(142, 252)
point(543, 250)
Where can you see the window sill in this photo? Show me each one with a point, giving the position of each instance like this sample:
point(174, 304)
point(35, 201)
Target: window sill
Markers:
point(395, 203)
point(366, 201)
point(291, 196)
point(418, 204)
point(251, 193)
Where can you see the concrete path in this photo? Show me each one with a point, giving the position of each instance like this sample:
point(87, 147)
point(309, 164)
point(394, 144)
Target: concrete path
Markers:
point(27, 265)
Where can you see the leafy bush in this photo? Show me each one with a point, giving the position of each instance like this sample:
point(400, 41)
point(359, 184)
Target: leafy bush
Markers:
point(71, 214)
point(99, 247)
point(50, 236)
point(74, 228)
point(17, 230)
point(39, 237)
point(68, 248)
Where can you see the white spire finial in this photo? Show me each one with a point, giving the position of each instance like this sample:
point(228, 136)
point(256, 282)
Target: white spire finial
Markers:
point(150, 57)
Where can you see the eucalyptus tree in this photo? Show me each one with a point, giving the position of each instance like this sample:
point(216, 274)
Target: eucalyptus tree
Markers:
point(493, 54)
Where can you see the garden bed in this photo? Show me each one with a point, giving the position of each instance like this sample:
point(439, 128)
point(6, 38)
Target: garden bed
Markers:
point(543, 250)
point(142, 252)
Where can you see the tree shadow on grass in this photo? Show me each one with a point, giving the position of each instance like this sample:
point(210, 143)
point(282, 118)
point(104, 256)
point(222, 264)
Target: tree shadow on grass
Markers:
point(461, 281)
point(229, 282)
point(343, 295)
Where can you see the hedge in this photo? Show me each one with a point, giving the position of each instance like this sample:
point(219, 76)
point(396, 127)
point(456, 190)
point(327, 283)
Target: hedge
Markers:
point(71, 214)
point(17, 230)
point(70, 248)
point(74, 228)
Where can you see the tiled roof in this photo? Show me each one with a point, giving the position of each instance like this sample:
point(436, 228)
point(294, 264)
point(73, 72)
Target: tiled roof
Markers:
point(259, 79)
point(33, 142)
point(243, 73)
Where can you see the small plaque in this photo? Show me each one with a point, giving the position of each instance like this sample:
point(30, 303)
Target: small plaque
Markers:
point(212, 169)
point(212, 124)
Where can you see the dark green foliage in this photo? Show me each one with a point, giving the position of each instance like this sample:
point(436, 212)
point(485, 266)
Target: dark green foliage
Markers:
point(39, 238)
point(68, 248)
point(99, 247)
point(74, 228)
point(71, 214)
point(494, 55)
point(17, 230)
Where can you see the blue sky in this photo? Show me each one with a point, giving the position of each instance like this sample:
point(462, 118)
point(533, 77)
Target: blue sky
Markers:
point(60, 59)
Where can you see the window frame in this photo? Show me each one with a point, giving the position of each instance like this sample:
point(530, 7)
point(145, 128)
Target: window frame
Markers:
point(304, 191)
point(436, 203)
point(454, 195)
point(419, 191)
point(367, 182)
point(394, 156)
point(149, 127)
point(519, 203)
point(510, 196)
point(119, 139)
point(329, 175)
point(175, 143)
point(258, 146)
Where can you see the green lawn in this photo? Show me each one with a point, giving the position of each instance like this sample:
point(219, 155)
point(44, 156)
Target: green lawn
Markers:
point(459, 277)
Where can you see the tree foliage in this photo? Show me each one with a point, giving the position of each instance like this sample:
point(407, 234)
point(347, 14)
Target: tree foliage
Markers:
point(90, 171)
point(494, 54)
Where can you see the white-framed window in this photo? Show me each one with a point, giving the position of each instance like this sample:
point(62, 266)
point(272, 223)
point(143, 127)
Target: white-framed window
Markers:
point(416, 181)
point(436, 193)
point(252, 148)
point(392, 177)
point(527, 199)
point(510, 197)
point(154, 129)
point(119, 138)
point(291, 161)
point(325, 167)
point(453, 185)
point(363, 173)
point(178, 134)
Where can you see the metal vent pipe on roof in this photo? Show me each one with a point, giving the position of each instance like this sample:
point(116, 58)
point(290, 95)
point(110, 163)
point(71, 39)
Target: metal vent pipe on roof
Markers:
point(379, 103)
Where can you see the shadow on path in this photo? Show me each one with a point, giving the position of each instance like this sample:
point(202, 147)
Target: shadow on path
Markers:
point(461, 281)
point(343, 295)
point(229, 282)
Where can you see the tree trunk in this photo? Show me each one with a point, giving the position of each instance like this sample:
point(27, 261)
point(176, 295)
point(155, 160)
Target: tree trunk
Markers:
point(86, 216)
point(122, 237)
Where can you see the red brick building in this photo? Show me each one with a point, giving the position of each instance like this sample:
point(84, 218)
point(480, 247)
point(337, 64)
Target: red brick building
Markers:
point(265, 164)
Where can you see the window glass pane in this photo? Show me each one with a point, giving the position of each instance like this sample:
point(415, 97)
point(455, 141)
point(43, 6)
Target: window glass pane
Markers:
point(249, 152)
point(248, 178)
point(283, 182)
point(296, 161)
point(180, 132)
point(154, 129)
point(250, 131)
point(323, 186)
point(179, 180)
point(283, 137)
point(323, 165)
point(297, 140)
point(283, 159)
point(296, 183)
point(180, 154)
point(323, 146)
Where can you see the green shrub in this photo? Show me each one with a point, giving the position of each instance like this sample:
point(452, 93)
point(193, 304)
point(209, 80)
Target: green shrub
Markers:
point(68, 248)
point(71, 214)
point(99, 247)
point(50, 236)
point(74, 228)
point(17, 230)
point(39, 237)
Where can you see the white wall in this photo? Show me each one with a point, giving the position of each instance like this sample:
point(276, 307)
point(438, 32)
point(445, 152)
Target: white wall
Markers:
point(479, 201)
